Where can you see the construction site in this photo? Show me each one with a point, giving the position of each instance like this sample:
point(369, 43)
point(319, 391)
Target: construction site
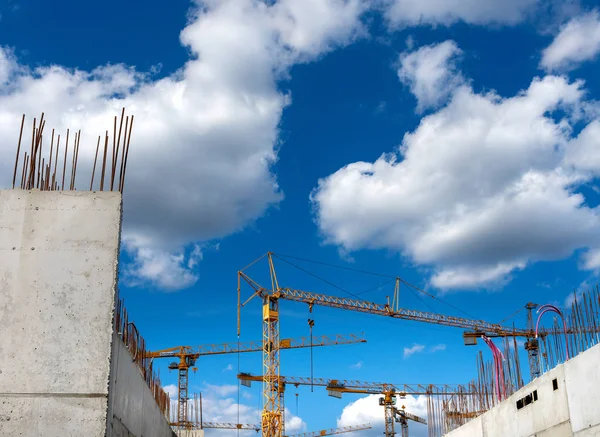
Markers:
point(73, 363)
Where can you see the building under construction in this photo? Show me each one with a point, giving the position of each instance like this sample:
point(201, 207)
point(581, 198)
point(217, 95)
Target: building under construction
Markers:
point(72, 362)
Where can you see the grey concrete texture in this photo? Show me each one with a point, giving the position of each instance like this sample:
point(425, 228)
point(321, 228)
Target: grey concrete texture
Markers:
point(63, 371)
point(58, 266)
point(132, 411)
point(52, 416)
point(573, 409)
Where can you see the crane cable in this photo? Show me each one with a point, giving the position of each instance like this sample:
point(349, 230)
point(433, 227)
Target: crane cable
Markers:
point(381, 275)
point(311, 323)
point(239, 385)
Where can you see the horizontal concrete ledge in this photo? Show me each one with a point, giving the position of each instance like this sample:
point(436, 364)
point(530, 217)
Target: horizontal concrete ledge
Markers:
point(54, 395)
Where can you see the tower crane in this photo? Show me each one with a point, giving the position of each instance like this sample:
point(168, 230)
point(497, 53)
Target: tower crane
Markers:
point(403, 417)
point(332, 431)
point(188, 355)
point(387, 401)
point(272, 415)
point(336, 387)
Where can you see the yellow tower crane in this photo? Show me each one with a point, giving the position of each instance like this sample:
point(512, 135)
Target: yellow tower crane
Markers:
point(403, 417)
point(272, 415)
point(333, 431)
point(335, 388)
point(387, 401)
point(188, 355)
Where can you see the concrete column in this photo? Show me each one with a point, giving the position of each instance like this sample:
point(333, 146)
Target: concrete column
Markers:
point(59, 256)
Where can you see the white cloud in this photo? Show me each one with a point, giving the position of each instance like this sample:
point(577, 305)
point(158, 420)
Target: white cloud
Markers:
point(403, 13)
point(367, 410)
point(205, 138)
point(168, 271)
point(591, 260)
point(479, 189)
point(577, 41)
point(431, 74)
point(357, 365)
point(437, 347)
point(583, 152)
point(171, 390)
point(414, 349)
point(228, 368)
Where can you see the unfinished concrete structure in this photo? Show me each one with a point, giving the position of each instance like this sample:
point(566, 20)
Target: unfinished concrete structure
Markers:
point(64, 370)
point(562, 402)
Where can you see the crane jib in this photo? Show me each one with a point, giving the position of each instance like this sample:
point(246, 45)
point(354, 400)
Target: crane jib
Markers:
point(385, 310)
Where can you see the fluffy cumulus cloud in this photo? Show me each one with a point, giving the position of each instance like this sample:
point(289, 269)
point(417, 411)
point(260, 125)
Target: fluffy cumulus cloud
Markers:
point(431, 73)
point(401, 13)
point(204, 138)
point(577, 41)
point(479, 189)
point(367, 410)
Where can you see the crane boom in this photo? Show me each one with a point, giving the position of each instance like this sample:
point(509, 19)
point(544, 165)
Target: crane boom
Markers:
point(215, 425)
point(410, 416)
point(343, 385)
point(332, 431)
point(256, 346)
point(364, 306)
point(188, 355)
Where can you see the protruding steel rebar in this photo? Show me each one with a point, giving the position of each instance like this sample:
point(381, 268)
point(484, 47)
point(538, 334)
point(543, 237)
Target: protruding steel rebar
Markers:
point(42, 172)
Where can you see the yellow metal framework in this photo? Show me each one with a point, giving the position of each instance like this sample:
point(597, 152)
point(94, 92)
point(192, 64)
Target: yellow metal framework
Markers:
point(336, 387)
point(333, 431)
point(187, 356)
point(272, 415)
point(388, 402)
point(245, 426)
point(340, 385)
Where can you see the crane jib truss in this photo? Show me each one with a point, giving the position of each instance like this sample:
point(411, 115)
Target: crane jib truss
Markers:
point(332, 431)
point(311, 298)
point(188, 355)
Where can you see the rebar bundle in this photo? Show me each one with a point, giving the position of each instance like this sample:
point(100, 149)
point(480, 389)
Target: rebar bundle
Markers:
point(58, 169)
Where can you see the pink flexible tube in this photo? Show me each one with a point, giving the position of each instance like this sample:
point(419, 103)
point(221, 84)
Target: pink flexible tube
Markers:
point(551, 308)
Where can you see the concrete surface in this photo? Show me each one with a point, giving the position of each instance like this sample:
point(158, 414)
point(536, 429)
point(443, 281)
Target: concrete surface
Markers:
point(58, 266)
point(132, 410)
point(59, 255)
point(571, 410)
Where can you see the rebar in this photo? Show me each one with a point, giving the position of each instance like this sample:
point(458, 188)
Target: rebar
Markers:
point(40, 172)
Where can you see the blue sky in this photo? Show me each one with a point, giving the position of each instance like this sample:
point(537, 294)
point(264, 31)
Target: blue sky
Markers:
point(247, 116)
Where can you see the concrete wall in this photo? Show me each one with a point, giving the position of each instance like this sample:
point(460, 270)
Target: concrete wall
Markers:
point(132, 410)
point(58, 266)
point(59, 256)
point(573, 409)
